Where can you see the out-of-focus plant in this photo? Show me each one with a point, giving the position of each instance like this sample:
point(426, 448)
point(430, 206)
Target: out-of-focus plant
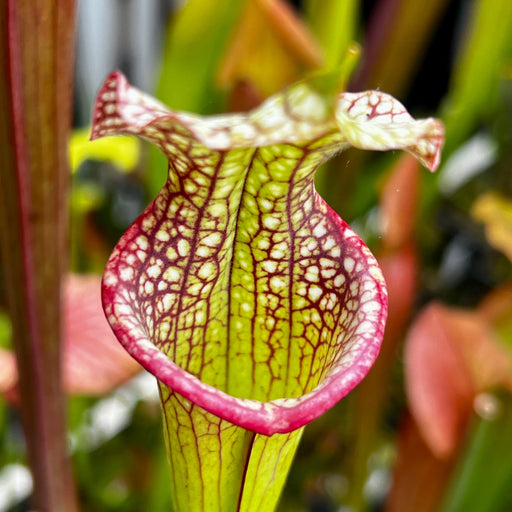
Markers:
point(45, 306)
point(36, 62)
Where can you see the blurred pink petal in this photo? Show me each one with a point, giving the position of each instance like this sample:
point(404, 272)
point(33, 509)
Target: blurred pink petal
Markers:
point(8, 371)
point(94, 361)
point(450, 356)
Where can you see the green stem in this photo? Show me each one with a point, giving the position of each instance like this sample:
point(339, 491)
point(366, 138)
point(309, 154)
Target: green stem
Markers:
point(483, 475)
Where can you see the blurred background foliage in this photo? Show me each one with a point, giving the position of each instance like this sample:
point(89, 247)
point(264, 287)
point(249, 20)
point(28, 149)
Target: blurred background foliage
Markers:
point(430, 429)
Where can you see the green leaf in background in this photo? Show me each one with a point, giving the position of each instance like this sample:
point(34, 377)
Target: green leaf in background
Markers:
point(483, 478)
point(334, 24)
point(483, 62)
point(196, 40)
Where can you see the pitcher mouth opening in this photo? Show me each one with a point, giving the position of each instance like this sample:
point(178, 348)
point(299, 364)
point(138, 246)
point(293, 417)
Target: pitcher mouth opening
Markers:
point(279, 415)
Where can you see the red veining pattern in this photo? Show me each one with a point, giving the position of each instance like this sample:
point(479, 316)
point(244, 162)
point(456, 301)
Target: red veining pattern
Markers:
point(383, 123)
point(239, 273)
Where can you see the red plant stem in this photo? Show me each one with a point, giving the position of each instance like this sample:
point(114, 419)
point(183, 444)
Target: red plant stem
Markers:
point(36, 65)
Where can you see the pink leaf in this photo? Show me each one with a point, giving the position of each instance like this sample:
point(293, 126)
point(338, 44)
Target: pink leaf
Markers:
point(450, 357)
point(94, 362)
